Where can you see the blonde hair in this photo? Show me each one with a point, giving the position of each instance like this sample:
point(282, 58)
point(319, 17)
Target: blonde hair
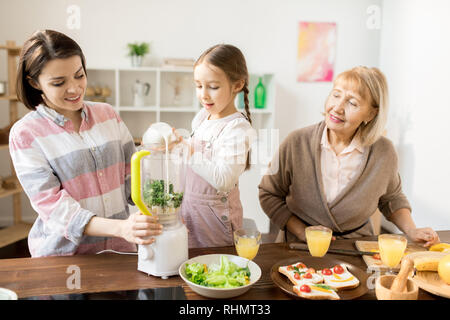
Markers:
point(371, 85)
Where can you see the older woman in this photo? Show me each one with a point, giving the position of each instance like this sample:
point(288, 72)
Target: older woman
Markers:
point(338, 172)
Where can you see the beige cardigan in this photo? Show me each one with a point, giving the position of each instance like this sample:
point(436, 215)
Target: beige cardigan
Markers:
point(296, 186)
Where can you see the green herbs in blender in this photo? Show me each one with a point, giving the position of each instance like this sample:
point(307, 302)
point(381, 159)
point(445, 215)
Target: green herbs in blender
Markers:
point(155, 196)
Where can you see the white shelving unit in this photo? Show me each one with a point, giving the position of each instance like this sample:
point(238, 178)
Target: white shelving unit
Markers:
point(19, 229)
point(160, 106)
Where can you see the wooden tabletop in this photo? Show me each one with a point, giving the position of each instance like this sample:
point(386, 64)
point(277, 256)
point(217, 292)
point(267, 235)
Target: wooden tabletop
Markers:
point(114, 272)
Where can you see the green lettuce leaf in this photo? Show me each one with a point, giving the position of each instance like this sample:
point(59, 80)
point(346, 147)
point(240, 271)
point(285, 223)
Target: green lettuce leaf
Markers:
point(225, 275)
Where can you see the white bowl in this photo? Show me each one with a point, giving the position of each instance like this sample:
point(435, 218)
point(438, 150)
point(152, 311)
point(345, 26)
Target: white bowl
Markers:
point(221, 293)
point(6, 294)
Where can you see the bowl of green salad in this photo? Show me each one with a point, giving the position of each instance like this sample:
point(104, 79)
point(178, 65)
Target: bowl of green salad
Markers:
point(220, 276)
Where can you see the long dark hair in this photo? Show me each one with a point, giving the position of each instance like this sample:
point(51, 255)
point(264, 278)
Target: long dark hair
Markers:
point(232, 62)
point(40, 48)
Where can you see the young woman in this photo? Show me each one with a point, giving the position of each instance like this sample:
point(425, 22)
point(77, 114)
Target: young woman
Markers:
point(72, 157)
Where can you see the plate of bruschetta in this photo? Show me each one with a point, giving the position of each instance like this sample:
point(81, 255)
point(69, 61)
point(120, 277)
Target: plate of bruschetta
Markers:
point(319, 278)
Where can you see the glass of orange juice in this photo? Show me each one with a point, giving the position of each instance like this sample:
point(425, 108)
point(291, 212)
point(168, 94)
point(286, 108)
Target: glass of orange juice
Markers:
point(392, 247)
point(318, 239)
point(247, 242)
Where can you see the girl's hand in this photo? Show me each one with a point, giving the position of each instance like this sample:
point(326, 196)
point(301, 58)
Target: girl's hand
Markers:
point(139, 228)
point(179, 139)
point(183, 141)
point(427, 235)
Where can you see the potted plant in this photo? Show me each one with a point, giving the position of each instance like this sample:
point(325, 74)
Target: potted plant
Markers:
point(137, 51)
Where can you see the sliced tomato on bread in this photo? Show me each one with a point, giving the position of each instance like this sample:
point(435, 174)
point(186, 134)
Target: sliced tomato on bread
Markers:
point(316, 292)
point(340, 280)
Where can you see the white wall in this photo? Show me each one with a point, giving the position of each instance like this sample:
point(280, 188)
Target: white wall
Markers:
point(415, 56)
point(265, 30)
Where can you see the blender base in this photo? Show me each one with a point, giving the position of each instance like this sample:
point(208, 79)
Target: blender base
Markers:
point(163, 257)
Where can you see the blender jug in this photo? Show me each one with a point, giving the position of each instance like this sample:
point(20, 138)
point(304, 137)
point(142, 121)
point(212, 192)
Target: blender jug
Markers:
point(157, 185)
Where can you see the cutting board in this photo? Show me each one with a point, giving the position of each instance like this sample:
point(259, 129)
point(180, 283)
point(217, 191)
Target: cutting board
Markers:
point(372, 246)
point(431, 282)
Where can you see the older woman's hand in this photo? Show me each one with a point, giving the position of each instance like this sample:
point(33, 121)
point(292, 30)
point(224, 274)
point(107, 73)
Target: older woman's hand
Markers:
point(427, 235)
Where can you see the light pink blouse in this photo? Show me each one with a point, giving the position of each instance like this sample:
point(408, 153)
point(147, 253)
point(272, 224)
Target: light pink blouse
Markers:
point(338, 170)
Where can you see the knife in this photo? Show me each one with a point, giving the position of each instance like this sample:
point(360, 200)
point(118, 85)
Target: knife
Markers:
point(304, 247)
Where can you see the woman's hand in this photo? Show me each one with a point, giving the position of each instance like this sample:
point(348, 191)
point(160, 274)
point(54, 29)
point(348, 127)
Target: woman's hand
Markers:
point(402, 219)
point(140, 228)
point(427, 235)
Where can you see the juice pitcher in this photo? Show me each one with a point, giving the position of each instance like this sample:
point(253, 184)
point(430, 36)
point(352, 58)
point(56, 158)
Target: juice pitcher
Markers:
point(157, 185)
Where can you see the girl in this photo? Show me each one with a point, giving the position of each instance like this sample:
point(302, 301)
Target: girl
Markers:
point(220, 146)
point(72, 157)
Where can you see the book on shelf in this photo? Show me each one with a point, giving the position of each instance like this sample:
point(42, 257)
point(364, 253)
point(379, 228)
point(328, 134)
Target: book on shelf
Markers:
point(176, 62)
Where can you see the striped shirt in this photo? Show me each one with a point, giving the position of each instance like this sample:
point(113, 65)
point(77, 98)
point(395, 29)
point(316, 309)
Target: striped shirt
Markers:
point(72, 176)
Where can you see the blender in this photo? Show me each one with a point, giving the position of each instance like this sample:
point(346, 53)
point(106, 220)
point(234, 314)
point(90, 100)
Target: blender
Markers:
point(157, 185)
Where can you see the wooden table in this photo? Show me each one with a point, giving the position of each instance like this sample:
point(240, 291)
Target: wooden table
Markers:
point(114, 272)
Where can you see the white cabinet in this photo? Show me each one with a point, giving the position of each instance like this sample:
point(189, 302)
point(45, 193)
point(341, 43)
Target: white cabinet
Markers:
point(172, 99)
